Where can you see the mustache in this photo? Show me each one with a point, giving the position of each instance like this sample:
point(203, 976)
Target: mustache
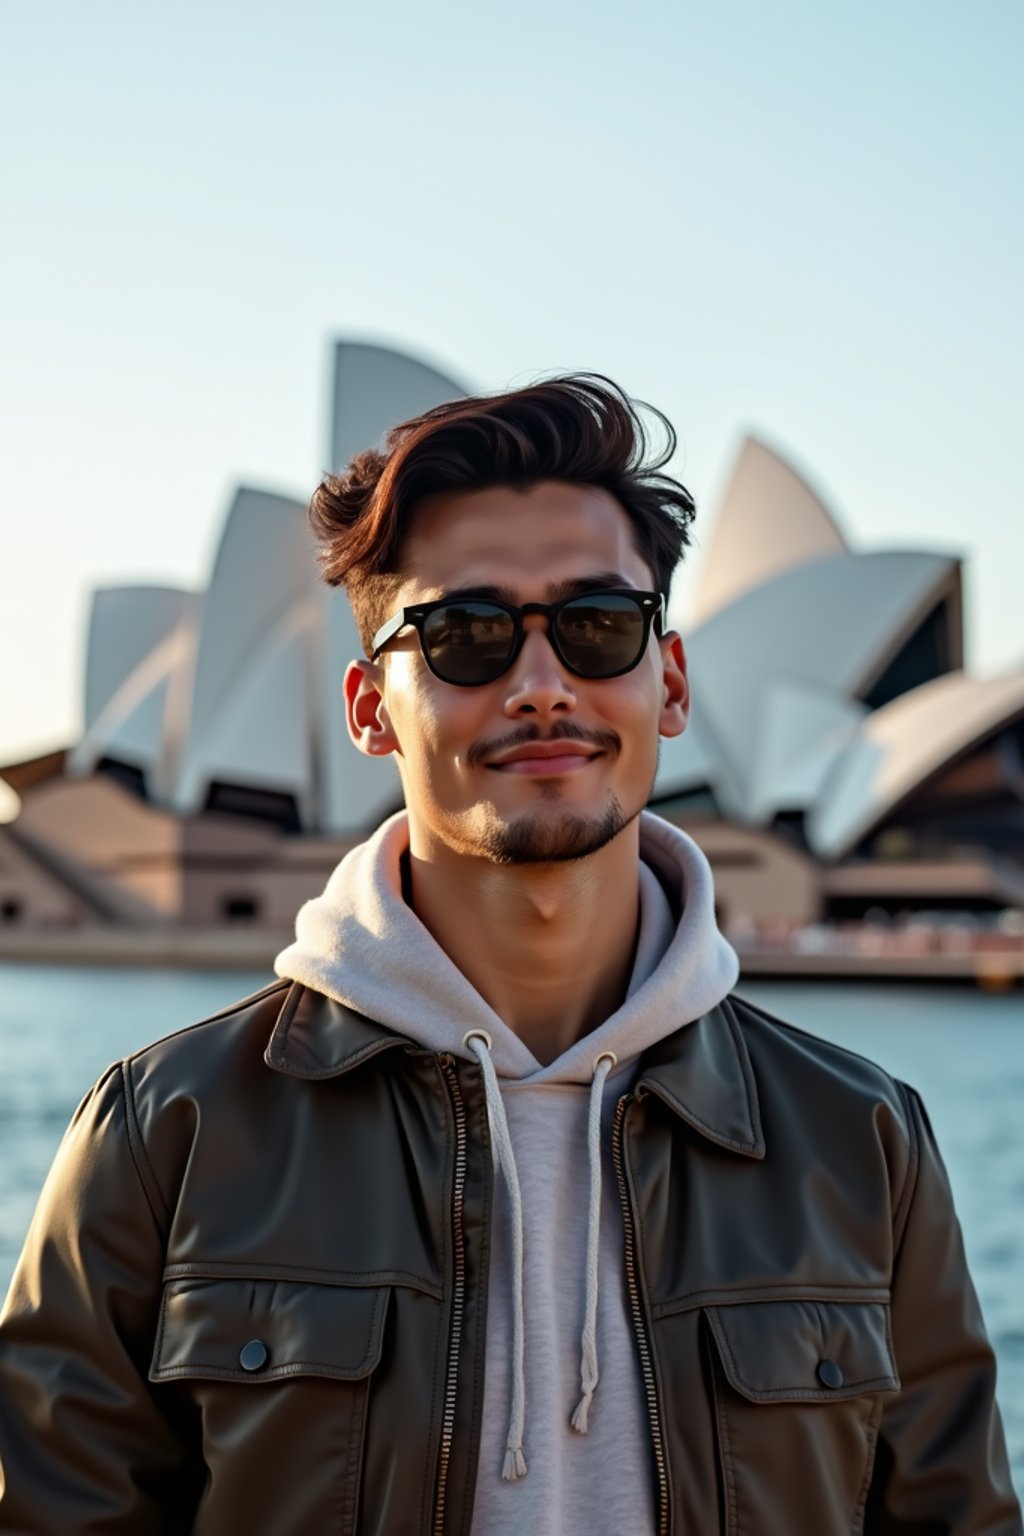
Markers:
point(568, 730)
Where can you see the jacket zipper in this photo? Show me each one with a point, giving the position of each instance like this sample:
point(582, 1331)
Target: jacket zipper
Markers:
point(458, 1289)
point(639, 1321)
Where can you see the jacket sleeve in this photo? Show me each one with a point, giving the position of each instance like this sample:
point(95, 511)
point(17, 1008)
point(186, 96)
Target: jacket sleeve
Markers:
point(941, 1465)
point(84, 1445)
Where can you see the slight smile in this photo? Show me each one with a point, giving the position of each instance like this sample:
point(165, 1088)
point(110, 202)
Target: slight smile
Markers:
point(546, 758)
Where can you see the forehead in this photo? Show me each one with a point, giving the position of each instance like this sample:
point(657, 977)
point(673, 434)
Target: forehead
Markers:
point(518, 538)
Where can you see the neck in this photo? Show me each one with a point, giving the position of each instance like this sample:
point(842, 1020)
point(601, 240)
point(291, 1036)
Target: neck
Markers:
point(549, 946)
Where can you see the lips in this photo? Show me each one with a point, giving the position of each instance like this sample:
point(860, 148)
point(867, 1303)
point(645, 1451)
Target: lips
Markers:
point(546, 757)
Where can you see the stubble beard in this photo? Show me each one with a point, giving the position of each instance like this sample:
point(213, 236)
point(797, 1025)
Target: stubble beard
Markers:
point(540, 840)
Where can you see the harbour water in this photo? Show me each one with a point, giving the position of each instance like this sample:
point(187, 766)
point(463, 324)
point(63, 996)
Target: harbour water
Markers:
point(964, 1051)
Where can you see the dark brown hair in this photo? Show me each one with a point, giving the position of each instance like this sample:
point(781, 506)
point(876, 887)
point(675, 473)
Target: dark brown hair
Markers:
point(580, 428)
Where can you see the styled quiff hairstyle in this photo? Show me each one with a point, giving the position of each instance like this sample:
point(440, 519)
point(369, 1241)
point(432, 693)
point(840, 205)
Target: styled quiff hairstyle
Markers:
point(580, 428)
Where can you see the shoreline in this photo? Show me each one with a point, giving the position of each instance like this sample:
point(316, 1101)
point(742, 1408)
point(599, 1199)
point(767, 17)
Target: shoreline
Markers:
point(997, 969)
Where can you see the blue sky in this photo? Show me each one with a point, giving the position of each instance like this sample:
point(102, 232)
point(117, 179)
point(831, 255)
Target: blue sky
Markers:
point(803, 219)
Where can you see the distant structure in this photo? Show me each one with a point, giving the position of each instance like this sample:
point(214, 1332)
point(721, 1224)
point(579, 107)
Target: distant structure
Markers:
point(214, 781)
point(831, 711)
point(838, 757)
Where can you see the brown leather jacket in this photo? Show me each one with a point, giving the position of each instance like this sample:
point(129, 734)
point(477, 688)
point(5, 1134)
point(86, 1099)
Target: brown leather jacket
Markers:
point(254, 1292)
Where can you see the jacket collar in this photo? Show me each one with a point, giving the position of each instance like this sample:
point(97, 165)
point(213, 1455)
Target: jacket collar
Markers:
point(702, 1072)
point(314, 1036)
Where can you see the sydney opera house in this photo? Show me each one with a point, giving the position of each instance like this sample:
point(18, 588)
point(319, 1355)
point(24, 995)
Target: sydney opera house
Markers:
point(839, 758)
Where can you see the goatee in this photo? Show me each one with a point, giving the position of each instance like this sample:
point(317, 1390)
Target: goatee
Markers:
point(543, 841)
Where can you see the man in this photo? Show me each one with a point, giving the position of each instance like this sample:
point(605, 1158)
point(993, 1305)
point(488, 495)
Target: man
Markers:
point(499, 1212)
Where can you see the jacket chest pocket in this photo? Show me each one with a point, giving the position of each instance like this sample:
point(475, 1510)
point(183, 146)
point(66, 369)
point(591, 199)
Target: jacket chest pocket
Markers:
point(799, 1390)
point(278, 1373)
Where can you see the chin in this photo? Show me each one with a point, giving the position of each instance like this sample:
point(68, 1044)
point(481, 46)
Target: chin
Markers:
point(555, 838)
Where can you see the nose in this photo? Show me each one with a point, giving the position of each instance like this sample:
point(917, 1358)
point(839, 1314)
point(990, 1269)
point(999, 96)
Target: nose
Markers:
point(537, 683)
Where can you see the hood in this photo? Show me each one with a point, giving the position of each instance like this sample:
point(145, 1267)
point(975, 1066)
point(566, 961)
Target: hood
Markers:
point(362, 945)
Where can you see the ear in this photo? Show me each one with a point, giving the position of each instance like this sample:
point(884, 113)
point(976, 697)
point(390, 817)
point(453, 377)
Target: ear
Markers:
point(365, 711)
point(675, 705)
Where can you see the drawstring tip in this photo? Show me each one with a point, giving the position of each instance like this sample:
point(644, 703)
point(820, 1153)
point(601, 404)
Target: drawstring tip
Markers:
point(515, 1465)
point(579, 1418)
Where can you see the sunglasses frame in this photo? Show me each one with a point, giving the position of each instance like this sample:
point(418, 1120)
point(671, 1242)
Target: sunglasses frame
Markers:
point(650, 604)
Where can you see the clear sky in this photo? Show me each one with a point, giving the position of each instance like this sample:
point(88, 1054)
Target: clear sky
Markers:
point(800, 218)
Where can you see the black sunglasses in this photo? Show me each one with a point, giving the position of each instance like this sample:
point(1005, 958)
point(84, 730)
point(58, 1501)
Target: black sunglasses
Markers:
point(468, 641)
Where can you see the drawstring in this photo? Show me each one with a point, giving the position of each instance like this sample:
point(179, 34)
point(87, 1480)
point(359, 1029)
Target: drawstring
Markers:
point(479, 1042)
point(588, 1353)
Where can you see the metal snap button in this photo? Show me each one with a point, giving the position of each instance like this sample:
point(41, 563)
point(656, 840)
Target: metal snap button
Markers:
point(253, 1356)
point(829, 1374)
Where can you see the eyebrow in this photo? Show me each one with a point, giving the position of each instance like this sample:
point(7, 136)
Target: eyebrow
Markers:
point(574, 586)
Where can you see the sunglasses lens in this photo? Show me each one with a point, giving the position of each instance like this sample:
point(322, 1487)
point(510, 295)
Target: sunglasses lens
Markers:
point(601, 635)
point(468, 642)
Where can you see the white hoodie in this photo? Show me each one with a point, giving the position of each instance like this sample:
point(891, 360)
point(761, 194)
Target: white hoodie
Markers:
point(558, 1316)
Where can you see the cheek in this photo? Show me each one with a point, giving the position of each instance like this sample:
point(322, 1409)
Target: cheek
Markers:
point(632, 706)
point(434, 723)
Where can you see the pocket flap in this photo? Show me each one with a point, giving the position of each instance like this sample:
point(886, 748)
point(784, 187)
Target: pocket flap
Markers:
point(256, 1331)
point(805, 1351)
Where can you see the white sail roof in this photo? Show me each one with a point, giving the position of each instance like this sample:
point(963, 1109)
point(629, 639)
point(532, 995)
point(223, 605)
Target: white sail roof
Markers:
point(125, 623)
point(141, 644)
point(901, 745)
point(264, 567)
point(826, 628)
point(374, 389)
point(803, 731)
point(768, 521)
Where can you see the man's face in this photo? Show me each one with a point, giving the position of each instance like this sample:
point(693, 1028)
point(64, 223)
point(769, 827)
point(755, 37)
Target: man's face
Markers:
point(451, 742)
